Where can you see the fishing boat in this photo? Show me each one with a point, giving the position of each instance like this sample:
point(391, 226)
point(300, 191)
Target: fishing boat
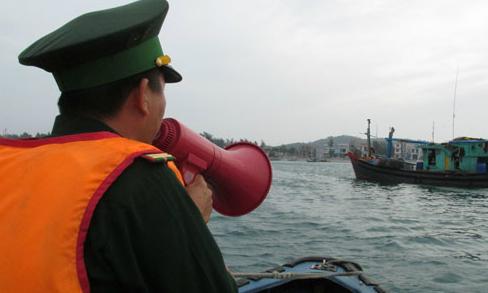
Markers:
point(461, 162)
point(310, 274)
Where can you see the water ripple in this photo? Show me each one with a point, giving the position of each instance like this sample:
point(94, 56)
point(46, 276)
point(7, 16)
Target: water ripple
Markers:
point(409, 238)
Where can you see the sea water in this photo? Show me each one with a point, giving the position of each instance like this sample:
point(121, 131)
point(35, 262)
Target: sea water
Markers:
point(409, 238)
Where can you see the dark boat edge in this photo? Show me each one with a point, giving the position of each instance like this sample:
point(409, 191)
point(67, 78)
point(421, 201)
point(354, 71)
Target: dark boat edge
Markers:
point(367, 171)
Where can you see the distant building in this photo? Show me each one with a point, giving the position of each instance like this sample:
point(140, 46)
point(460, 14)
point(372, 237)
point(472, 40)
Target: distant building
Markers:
point(320, 153)
point(401, 150)
point(338, 150)
point(363, 148)
point(406, 151)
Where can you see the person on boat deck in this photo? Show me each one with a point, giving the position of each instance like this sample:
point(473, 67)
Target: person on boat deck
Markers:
point(96, 207)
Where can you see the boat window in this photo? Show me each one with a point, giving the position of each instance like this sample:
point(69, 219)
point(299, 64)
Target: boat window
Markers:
point(431, 157)
point(482, 160)
point(456, 156)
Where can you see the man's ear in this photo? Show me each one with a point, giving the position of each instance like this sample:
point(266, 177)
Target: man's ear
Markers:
point(140, 97)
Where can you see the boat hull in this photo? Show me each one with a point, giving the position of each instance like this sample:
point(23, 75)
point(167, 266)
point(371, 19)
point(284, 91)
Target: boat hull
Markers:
point(367, 171)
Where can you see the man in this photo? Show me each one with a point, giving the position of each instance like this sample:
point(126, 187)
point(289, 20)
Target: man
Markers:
point(96, 207)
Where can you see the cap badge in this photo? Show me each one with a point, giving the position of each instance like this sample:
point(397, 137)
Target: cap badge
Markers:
point(163, 60)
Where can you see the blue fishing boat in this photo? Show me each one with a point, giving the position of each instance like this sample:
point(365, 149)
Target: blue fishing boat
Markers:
point(310, 274)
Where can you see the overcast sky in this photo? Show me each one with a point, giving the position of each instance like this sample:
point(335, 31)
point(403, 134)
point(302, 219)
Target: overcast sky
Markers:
point(286, 71)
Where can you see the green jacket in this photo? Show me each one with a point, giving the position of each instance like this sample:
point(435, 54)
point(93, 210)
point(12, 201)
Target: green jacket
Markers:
point(146, 234)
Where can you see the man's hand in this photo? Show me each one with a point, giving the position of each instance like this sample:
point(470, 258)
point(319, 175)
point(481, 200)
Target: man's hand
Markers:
point(201, 194)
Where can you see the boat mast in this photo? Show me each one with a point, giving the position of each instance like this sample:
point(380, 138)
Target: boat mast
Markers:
point(454, 102)
point(433, 130)
point(368, 135)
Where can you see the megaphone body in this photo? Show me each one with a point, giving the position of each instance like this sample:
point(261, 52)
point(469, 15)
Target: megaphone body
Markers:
point(240, 174)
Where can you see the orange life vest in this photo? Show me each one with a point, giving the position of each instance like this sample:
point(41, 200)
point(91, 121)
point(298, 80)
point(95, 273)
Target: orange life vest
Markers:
point(48, 192)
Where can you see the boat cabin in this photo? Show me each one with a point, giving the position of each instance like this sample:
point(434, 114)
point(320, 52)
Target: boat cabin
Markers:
point(461, 154)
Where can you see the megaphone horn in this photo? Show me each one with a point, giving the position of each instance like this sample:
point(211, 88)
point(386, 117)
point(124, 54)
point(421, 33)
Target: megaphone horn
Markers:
point(240, 174)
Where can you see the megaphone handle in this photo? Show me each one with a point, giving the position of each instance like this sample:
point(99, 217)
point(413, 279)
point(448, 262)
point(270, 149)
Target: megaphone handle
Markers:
point(191, 166)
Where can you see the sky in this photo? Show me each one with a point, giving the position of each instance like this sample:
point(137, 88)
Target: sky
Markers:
point(285, 71)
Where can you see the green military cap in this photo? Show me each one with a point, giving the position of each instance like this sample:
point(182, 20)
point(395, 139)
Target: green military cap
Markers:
point(104, 46)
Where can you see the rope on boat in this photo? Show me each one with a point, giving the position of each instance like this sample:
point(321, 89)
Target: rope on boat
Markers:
point(294, 276)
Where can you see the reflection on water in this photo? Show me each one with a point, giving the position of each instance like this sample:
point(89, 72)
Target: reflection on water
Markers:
point(410, 238)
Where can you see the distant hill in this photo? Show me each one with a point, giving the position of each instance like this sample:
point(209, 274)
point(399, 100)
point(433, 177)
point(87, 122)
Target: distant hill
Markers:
point(341, 139)
point(330, 148)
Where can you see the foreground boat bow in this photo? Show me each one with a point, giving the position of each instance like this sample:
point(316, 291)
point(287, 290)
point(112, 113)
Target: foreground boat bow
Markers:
point(310, 274)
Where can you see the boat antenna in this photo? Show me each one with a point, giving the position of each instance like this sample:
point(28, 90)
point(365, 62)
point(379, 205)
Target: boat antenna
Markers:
point(454, 102)
point(368, 135)
point(433, 130)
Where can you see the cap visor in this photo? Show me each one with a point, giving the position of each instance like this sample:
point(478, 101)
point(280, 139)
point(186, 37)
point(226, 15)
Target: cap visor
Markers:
point(170, 75)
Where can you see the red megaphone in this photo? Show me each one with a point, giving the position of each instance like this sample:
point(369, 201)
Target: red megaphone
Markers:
point(240, 175)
